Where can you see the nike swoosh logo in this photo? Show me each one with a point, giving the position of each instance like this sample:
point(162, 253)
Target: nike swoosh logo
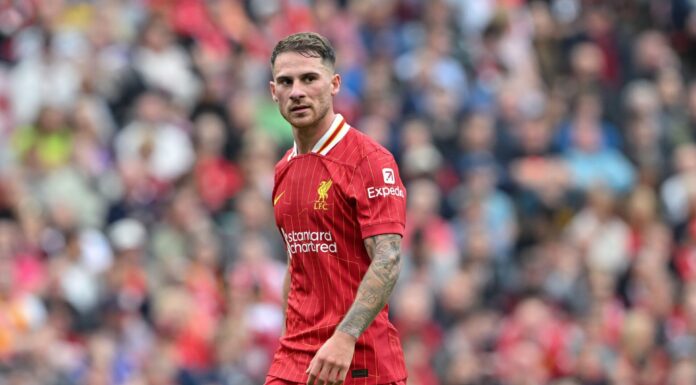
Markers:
point(277, 198)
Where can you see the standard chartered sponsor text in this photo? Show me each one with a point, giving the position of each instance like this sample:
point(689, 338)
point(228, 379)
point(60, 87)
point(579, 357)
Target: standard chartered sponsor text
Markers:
point(309, 241)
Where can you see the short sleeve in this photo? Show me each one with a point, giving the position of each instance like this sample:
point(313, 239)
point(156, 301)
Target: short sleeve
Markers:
point(380, 195)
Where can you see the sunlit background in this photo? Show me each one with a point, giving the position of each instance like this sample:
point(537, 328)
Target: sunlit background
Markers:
point(548, 149)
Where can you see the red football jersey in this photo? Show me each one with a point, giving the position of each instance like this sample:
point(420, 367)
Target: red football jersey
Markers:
point(326, 202)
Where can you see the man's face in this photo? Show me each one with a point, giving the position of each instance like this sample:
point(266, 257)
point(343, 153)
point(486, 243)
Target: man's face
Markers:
point(304, 88)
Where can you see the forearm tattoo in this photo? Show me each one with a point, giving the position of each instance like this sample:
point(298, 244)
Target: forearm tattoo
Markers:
point(377, 284)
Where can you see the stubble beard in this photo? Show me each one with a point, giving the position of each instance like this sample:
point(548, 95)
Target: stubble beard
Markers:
point(301, 123)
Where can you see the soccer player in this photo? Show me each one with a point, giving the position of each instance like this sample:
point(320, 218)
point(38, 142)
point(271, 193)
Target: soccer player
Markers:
point(340, 206)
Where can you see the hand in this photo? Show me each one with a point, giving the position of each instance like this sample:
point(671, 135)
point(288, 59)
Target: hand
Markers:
point(330, 365)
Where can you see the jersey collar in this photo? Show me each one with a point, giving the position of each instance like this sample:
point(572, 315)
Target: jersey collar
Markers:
point(338, 129)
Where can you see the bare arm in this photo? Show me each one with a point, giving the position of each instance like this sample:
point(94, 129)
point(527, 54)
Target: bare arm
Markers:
point(377, 284)
point(330, 364)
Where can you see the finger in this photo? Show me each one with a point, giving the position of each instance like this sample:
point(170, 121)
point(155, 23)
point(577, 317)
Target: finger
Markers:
point(332, 376)
point(311, 370)
point(314, 370)
point(323, 375)
point(341, 375)
point(310, 366)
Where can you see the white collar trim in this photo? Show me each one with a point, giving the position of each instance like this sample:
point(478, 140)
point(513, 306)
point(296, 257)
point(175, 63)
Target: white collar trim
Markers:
point(337, 131)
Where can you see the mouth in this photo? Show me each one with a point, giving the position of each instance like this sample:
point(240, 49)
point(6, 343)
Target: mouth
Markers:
point(299, 108)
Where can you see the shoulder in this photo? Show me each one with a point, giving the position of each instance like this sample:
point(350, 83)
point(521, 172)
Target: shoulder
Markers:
point(358, 147)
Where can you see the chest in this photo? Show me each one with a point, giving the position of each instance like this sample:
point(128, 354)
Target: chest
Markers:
point(311, 189)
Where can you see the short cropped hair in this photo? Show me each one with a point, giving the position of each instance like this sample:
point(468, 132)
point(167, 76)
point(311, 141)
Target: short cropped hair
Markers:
point(309, 44)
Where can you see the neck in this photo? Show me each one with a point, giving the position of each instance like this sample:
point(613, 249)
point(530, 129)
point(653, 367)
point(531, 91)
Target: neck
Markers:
point(307, 137)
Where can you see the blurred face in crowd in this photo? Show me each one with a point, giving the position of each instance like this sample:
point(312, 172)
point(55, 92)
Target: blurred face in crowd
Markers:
point(415, 306)
point(587, 138)
point(670, 85)
point(477, 133)
point(6, 278)
point(157, 35)
point(689, 304)
point(683, 373)
point(535, 135)
point(586, 60)
point(638, 334)
point(692, 100)
point(152, 108)
point(303, 86)
point(51, 119)
point(685, 158)
point(652, 51)
point(210, 135)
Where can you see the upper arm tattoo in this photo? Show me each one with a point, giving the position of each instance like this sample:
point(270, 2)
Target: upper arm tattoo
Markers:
point(377, 284)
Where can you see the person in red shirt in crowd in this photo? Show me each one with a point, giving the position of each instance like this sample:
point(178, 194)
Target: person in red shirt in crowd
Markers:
point(340, 207)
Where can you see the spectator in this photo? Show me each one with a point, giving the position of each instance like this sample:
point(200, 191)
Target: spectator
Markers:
point(152, 142)
point(48, 144)
point(158, 59)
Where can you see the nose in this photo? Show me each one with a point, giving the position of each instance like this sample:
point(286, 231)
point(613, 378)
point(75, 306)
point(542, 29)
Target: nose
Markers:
point(297, 92)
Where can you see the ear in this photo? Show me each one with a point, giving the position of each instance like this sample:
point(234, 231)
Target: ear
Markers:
point(335, 84)
point(271, 85)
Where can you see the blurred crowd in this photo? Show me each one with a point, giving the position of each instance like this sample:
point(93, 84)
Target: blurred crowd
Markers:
point(548, 148)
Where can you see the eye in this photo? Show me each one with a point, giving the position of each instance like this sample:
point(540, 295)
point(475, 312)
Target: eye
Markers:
point(284, 81)
point(309, 79)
